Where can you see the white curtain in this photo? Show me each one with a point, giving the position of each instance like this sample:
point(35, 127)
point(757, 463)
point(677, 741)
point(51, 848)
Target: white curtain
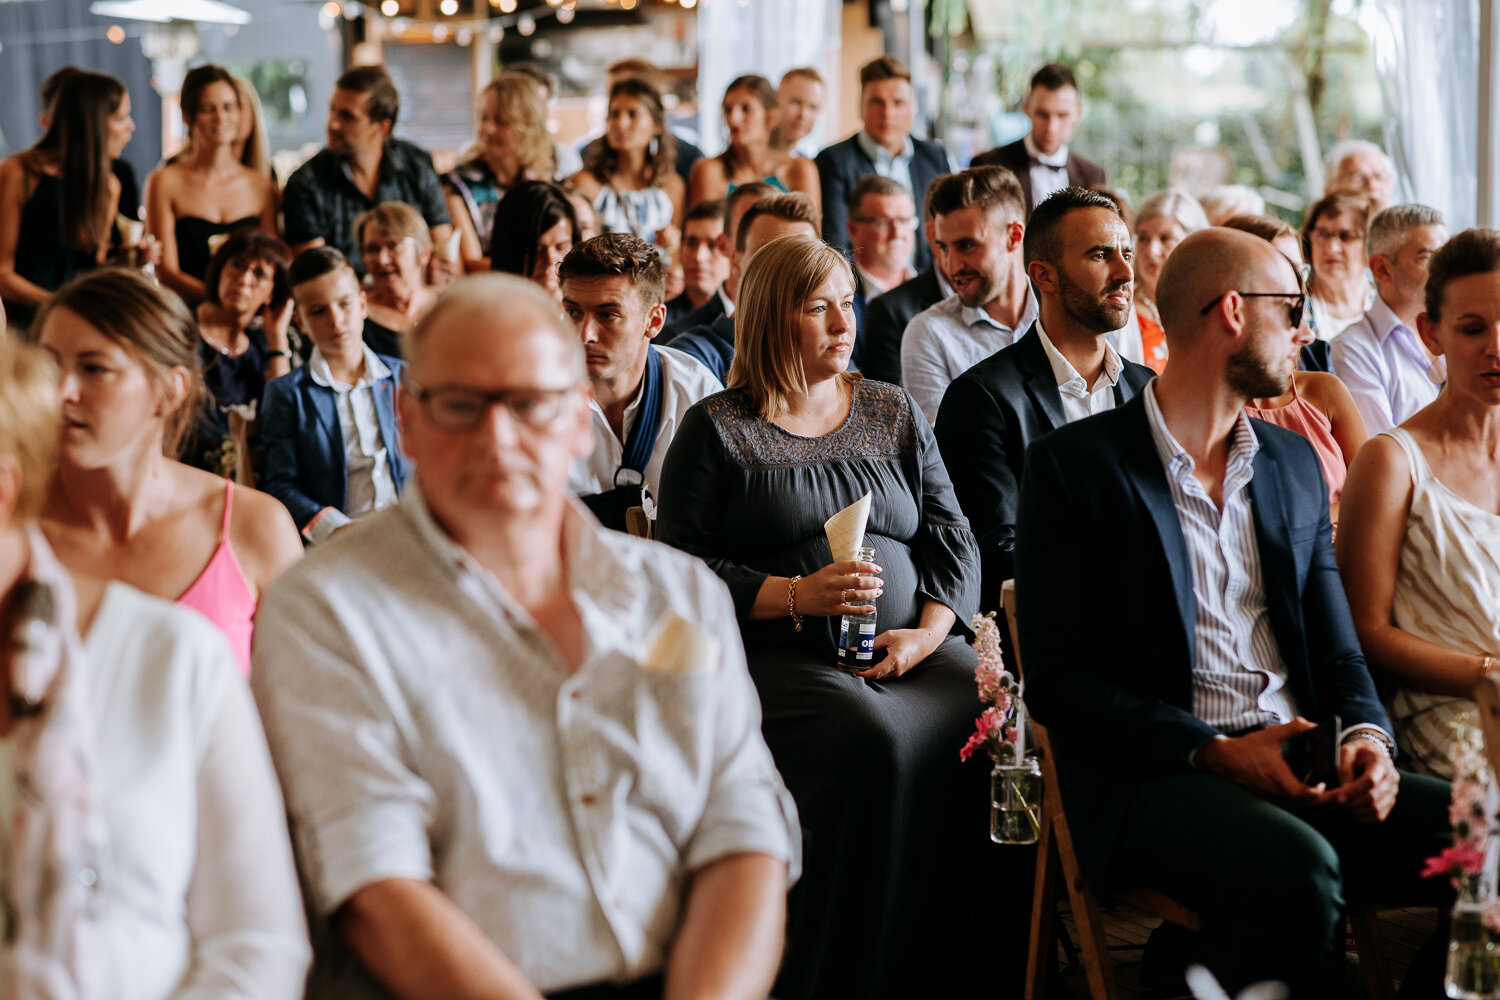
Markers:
point(1427, 59)
point(768, 37)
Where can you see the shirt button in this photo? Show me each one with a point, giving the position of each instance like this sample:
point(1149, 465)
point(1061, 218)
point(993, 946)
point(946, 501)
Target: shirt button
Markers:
point(88, 877)
point(586, 798)
point(575, 694)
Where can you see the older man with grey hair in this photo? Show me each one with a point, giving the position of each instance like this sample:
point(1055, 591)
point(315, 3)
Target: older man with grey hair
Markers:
point(521, 754)
point(1388, 370)
point(1360, 165)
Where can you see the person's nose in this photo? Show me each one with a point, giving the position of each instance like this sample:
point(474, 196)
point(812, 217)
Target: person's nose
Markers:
point(588, 330)
point(1120, 269)
point(500, 425)
point(67, 386)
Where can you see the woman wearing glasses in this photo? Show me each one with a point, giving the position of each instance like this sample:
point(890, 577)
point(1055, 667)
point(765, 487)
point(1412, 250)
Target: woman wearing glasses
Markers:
point(1333, 243)
point(1317, 405)
point(1419, 549)
point(120, 506)
point(397, 246)
point(1165, 219)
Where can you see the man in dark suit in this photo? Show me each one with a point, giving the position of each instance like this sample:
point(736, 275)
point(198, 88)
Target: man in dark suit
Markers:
point(884, 146)
point(1181, 619)
point(886, 316)
point(332, 443)
point(705, 258)
point(1063, 369)
point(721, 303)
point(1042, 159)
point(882, 226)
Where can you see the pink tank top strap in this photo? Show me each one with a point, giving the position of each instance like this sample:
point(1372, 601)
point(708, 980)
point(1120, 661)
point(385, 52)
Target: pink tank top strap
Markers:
point(222, 594)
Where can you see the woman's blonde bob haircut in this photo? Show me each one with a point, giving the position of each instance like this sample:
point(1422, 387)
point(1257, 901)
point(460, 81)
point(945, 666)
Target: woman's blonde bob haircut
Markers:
point(776, 284)
point(29, 422)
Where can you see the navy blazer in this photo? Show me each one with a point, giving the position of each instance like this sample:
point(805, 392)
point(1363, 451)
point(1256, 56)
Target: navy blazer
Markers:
point(1105, 606)
point(703, 315)
point(304, 443)
point(989, 415)
point(840, 167)
point(885, 322)
point(1082, 172)
point(712, 344)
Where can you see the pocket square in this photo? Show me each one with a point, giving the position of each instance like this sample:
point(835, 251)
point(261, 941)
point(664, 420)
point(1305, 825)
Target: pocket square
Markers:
point(677, 646)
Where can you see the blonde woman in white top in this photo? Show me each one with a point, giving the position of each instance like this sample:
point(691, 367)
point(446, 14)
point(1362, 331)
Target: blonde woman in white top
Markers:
point(143, 845)
point(1419, 536)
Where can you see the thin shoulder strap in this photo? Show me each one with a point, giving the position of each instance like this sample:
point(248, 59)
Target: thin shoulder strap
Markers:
point(228, 507)
point(1414, 458)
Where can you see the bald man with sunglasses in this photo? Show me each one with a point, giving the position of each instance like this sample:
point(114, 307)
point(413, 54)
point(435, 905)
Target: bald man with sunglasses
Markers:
point(1194, 546)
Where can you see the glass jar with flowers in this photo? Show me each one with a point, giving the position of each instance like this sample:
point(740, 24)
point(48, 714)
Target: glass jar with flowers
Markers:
point(1000, 731)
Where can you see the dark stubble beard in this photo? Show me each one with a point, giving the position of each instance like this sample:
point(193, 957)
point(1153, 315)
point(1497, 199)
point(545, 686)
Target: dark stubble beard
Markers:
point(1089, 311)
point(1248, 375)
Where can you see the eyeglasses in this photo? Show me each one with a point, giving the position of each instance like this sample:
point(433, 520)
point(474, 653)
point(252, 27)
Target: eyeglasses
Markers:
point(459, 408)
point(1298, 306)
point(259, 270)
point(1345, 236)
point(893, 225)
point(392, 247)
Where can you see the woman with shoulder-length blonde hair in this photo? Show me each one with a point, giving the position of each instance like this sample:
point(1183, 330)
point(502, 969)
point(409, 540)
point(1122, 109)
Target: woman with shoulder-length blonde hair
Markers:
point(145, 850)
point(513, 145)
point(120, 505)
point(751, 476)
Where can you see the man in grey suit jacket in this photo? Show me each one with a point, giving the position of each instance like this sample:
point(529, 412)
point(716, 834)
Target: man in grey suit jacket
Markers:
point(1077, 253)
point(1043, 160)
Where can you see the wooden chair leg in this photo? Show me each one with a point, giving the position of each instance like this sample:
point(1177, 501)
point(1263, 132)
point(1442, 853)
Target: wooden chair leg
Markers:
point(1097, 964)
point(1041, 953)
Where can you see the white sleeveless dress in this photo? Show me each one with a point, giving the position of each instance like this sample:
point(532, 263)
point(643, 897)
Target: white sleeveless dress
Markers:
point(1447, 592)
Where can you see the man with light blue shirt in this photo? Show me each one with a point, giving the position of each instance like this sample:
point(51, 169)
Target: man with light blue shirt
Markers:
point(884, 146)
point(977, 235)
point(332, 445)
point(1382, 360)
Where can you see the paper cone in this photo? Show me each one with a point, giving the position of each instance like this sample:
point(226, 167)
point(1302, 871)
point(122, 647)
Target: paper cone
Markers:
point(846, 529)
point(449, 249)
point(131, 231)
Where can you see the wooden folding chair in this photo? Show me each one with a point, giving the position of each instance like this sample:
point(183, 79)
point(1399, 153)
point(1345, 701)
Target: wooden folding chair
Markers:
point(637, 523)
point(1056, 857)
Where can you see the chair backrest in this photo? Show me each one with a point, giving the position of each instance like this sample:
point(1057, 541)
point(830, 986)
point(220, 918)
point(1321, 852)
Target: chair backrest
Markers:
point(637, 524)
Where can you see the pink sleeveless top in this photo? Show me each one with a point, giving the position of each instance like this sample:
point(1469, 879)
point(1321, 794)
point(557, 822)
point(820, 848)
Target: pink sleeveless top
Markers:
point(1312, 423)
point(222, 594)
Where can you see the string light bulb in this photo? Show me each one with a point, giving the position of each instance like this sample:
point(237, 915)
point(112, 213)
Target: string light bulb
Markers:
point(525, 25)
point(115, 34)
point(390, 8)
point(333, 8)
point(449, 7)
point(565, 15)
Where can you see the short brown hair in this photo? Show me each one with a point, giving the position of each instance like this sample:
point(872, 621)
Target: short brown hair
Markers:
point(1054, 76)
point(767, 363)
point(618, 255)
point(985, 188)
point(806, 73)
point(30, 411)
point(152, 324)
point(1473, 251)
point(882, 68)
point(753, 191)
point(1338, 202)
point(635, 66)
point(1267, 227)
point(873, 184)
point(385, 100)
point(793, 207)
point(250, 245)
point(713, 208)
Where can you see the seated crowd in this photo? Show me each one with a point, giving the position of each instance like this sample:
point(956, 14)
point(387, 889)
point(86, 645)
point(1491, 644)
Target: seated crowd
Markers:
point(391, 440)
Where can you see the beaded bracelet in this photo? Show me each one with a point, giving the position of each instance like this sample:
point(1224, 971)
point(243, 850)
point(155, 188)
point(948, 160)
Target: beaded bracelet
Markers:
point(791, 603)
point(1374, 738)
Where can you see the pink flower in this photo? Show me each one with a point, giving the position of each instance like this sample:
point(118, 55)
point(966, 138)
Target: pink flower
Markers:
point(1459, 859)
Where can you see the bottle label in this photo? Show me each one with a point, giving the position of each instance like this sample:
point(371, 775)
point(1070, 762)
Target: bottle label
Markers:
point(844, 638)
point(866, 641)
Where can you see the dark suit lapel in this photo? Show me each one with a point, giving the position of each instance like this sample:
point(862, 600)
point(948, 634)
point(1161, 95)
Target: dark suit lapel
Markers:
point(1038, 378)
point(1143, 468)
point(325, 413)
point(1075, 172)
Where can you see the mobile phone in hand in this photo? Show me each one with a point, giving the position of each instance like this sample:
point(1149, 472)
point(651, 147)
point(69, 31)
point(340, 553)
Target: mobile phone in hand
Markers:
point(1313, 756)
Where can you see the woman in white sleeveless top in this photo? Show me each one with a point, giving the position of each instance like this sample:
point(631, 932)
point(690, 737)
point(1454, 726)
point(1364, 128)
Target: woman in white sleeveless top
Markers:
point(1419, 536)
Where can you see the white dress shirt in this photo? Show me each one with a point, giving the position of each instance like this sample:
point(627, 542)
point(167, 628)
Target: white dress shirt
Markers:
point(1388, 372)
point(1078, 401)
point(425, 727)
point(1049, 174)
point(947, 339)
point(367, 465)
point(196, 894)
point(1239, 677)
point(685, 380)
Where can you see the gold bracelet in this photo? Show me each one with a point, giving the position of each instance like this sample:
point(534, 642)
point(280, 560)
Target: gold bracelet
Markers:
point(791, 603)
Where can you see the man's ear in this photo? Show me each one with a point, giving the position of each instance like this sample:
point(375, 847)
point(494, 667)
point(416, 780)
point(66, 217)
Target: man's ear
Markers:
point(1043, 276)
point(1015, 232)
point(655, 320)
point(1380, 267)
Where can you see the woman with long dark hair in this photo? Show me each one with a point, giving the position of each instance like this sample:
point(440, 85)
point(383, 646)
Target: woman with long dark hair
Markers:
point(535, 227)
point(58, 199)
point(756, 150)
point(630, 177)
point(206, 193)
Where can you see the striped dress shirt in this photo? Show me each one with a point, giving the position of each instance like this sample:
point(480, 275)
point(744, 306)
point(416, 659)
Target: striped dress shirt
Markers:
point(1239, 677)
